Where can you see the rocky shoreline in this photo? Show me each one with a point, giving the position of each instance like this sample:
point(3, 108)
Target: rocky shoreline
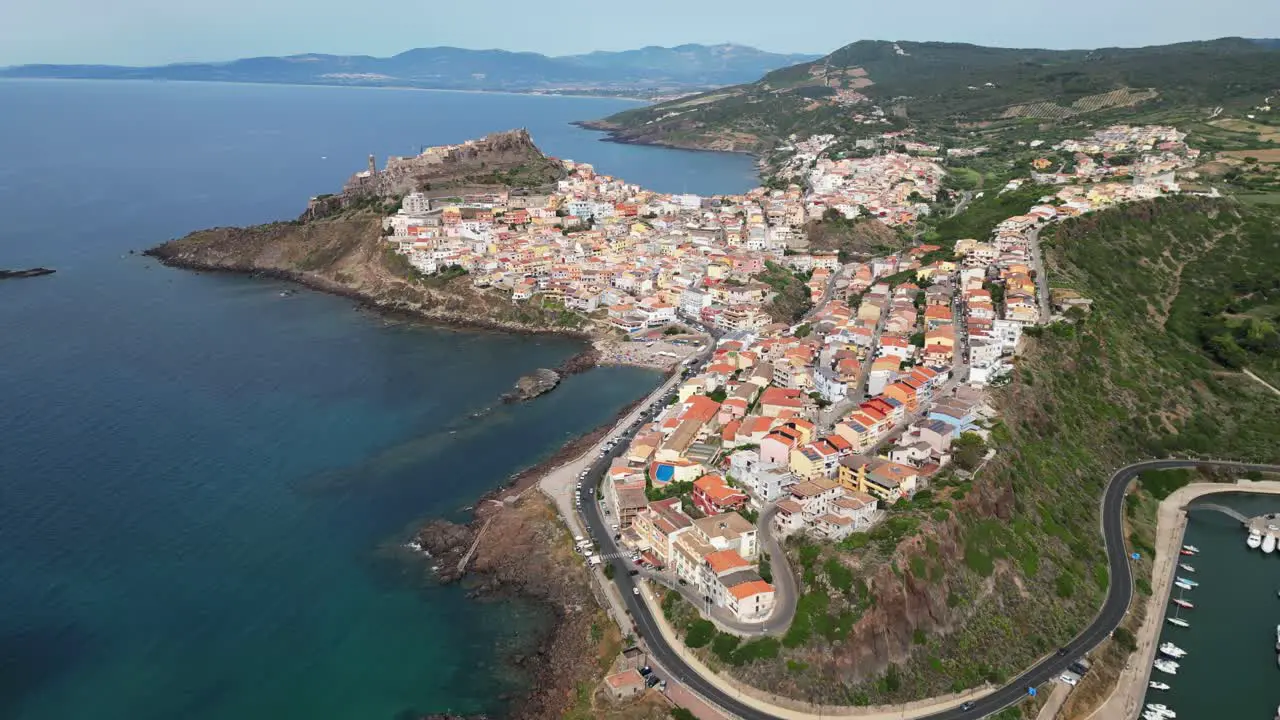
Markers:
point(523, 550)
point(617, 134)
point(385, 306)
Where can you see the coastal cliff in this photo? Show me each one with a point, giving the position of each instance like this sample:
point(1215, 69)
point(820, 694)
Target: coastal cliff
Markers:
point(345, 255)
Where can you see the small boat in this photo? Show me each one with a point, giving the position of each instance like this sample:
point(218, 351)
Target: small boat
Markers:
point(1187, 567)
point(1161, 710)
point(1152, 715)
point(1269, 544)
point(1181, 585)
point(1156, 685)
point(1179, 622)
point(1182, 603)
point(1192, 583)
point(1185, 552)
point(1191, 549)
point(1172, 650)
point(1166, 666)
point(1255, 540)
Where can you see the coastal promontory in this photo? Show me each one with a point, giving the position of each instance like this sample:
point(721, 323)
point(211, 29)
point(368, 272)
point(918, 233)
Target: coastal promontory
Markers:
point(338, 245)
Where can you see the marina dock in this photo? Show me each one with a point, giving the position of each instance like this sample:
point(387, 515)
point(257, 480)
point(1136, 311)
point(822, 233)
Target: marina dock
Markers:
point(1265, 525)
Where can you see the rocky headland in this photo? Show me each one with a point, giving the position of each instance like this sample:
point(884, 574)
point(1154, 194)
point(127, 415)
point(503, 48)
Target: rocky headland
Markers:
point(337, 244)
point(648, 135)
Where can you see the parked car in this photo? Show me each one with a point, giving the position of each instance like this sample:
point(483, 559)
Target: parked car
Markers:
point(1069, 679)
point(633, 573)
point(635, 591)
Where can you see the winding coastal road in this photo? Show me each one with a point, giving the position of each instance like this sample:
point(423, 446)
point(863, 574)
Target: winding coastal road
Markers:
point(1119, 594)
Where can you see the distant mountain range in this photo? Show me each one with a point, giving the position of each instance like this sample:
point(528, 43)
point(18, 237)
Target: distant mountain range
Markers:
point(650, 68)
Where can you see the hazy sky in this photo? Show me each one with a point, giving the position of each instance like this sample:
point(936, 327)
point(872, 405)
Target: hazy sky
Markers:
point(160, 31)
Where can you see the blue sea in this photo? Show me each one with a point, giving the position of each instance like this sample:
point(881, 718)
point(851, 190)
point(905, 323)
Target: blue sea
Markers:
point(204, 486)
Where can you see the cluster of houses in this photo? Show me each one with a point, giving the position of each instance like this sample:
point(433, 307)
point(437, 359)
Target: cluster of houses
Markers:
point(1144, 159)
point(895, 187)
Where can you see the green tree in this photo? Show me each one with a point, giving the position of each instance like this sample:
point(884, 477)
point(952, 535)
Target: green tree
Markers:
point(968, 450)
point(700, 633)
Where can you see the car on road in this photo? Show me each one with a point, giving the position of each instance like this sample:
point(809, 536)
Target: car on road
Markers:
point(633, 573)
point(635, 591)
point(966, 706)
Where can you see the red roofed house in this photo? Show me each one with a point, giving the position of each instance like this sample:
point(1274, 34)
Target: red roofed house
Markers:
point(733, 583)
point(775, 400)
point(775, 448)
point(626, 684)
point(712, 495)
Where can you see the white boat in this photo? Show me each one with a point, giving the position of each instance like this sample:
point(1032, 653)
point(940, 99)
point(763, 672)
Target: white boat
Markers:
point(1172, 650)
point(1190, 582)
point(1191, 549)
point(1269, 544)
point(1181, 585)
point(1179, 622)
point(1167, 666)
point(1156, 685)
point(1254, 541)
point(1183, 603)
point(1186, 567)
point(1152, 715)
point(1161, 710)
point(1278, 638)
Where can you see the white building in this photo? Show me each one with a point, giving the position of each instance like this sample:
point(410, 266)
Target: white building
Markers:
point(415, 204)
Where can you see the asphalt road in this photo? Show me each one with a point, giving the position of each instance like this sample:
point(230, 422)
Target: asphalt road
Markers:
point(1113, 610)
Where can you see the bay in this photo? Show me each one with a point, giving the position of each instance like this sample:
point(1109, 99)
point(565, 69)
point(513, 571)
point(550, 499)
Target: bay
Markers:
point(203, 485)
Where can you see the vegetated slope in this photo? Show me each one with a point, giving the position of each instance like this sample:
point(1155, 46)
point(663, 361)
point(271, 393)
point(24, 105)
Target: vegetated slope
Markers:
point(951, 84)
point(345, 254)
point(975, 579)
point(450, 67)
point(851, 238)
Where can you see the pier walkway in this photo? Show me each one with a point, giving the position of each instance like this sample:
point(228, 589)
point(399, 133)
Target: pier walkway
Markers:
point(1218, 508)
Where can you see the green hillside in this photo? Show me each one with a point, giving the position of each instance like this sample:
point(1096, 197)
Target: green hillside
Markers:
point(976, 578)
point(953, 87)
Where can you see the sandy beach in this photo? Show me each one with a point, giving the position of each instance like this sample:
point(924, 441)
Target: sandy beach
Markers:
point(659, 354)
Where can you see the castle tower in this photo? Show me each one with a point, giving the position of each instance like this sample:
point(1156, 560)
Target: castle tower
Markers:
point(373, 166)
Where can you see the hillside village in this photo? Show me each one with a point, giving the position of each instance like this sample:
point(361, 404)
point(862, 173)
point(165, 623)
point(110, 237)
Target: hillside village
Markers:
point(816, 423)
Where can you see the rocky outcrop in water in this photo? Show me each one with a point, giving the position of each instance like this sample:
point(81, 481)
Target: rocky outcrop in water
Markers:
point(33, 272)
point(528, 387)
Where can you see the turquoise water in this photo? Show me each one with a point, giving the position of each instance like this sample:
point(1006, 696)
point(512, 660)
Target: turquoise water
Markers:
point(1230, 670)
point(203, 485)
